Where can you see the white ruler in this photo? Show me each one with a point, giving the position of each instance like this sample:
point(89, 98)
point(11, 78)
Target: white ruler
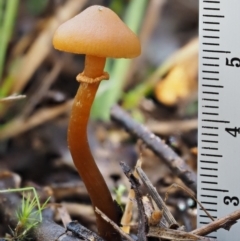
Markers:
point(219, 113)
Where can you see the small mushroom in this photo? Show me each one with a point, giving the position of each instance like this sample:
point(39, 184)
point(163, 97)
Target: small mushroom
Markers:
point(99, 33)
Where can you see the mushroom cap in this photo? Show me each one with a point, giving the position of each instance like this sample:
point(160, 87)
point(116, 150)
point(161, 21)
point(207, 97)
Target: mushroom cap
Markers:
point(97, 31)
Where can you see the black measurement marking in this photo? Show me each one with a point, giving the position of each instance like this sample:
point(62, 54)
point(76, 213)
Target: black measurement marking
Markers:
point(210, 127)
point(210, 106)
point(214, 44)
point(215, 190)
point(206, 175)
point(211, 1)
point(210, 169)
point(214, 86)
point(213, 16)
point(204, 223)
point(211, 72)
point(211, 196)
point(206, 57)
point(211, 22)
point(209, 141)
point(206, 36)
point(211, 203)
point(210, 148)
point(211, 93)
point(210, 99)
point(213, 65)
point(207, 113)
point(208, 134)
point(213, 237)
point(216, 51)
point(211, 30)
point(210, 78)
point(203, 154)
point(217, 9)
point(214, 183)
point(210, 162)
point(205, 216)
point(209, 209)
point(218, 121)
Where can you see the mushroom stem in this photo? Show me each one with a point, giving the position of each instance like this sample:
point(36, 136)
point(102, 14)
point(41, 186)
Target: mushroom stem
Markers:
point(93, 70)
point(94, 66)
point(84, 162)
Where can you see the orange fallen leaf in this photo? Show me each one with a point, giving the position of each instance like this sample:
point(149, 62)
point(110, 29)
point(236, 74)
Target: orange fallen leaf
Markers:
point(180, 84)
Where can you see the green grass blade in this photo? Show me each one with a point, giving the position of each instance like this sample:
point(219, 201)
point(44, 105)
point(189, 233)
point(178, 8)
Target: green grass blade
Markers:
point(6, 28)
point(110, 91)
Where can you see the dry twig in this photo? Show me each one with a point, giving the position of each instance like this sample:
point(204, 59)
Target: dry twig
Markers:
point(224, 222)
point(21, 125)
point(176, 235)
point(113, 224)
point(142, 218)
point(174, 162)
point(171, 222)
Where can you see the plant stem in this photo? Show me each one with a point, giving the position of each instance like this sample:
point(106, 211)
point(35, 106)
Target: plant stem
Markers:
point(6, 29)
point(84, 162)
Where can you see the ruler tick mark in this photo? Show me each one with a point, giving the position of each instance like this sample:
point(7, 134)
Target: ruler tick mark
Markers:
point(212, 196)
point(216, 51)
point(209, 209)
point(216, 37)
point(214, 86)
point(217, 121)
point(207, 113)
point(205, 57)
point(215, 44)
point(213, 16)
point(210, 169)
point(210, 106)
point(210, 99)
point(209, 134)
point(215, 9)
point(213, 155)
point(211, 1)
point(210, 148)
point(210, 72)
point(214, 183)
point(211, 93)
point(209, 162)
point(205, 216)
point(216, 190)
point(210, 127)
point(211, 30)
point(211, 203)
point(211, 22)
point(213, 65)
point(205, 78)
point(213, 237)
point(206, 175)
point(209, 141)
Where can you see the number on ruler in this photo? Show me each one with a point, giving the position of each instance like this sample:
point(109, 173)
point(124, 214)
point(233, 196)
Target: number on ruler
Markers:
point(233, 131)
point(231, 63)
point(227, 200)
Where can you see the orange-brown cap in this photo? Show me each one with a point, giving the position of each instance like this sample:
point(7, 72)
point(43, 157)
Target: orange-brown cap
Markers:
point(97, 31)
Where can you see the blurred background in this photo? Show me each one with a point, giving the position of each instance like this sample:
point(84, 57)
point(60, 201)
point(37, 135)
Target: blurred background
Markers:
point(37, 85)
